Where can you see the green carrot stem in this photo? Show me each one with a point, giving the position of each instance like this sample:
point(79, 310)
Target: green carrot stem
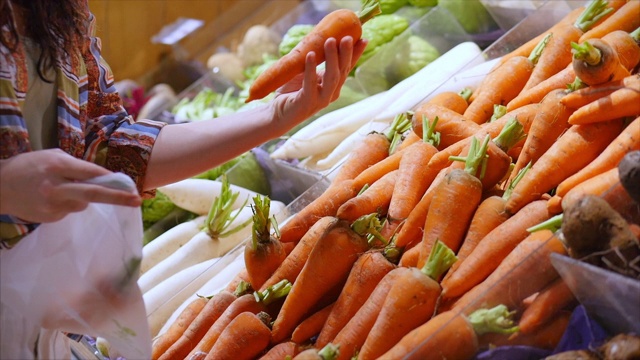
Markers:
point(370, 8)
point(429, 133)
point(466, 93)
point(596, 10)
point(635, 34)
point(511, 134)
point(274, 292)
point(439, 261)
point(477, 154)
point(400, 124)
point(329, 352)
point(577, 84)
point(554, 224)
point(509, 190)
point(498, 112)
point(586, 52)
point(364, 188)
point(391, 253)
point(494, 320)
point(369, 225)
point(242, 288)
point(261, 230)
point(537, 51)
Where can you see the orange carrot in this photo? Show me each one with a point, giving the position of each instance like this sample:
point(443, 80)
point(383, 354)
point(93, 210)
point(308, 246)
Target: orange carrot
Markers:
point(526, 270)
point(597, 185)
point(548, 124)
point(241, 279)
point(410, 185)
point(547, 304)
point(628, 140)
point(596, 62)
point(451, 335)
point(626, 18)
point(451, 126)
point(254, 303)
point(365, 275)
point(282, 350)
point(584, 96)
point(411, 302)
point(575, 149)
point(353, 335)
point(375, 198)
point(326, 204)
point(494, 247)
point(626, 45)
point(455, 101)
point(339, 246)
point(246, 336)
point(546, 337)
point(312, 325)
point(500, 86)
point(293, 263)
point(537, 93)
point(178, 328)
point(620, 103)
point(337, 24)
point(264, 253)
point(193, 334)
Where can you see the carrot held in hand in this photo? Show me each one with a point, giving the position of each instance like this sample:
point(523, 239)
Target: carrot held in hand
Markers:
point(337, 24)
point(264, 253)
point(452, 335)
point(251, 328)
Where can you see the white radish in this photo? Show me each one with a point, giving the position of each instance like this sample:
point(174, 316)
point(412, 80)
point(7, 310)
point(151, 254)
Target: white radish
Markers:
point(218, 282)
point(197, 195)
point(169, 241)
point(161, 301)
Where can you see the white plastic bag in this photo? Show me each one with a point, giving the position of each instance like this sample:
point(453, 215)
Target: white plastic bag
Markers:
point(78, 275)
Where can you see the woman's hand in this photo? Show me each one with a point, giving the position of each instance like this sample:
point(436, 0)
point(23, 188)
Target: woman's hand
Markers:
point(310, 92)
point(46, 185)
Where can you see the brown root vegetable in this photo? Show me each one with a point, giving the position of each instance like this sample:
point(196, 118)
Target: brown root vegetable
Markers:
point(591, 225)
point(621, 347)
point(574, 355)
point(629, 169)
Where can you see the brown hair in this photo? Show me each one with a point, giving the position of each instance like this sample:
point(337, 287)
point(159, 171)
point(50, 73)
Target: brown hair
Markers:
point(58, 27)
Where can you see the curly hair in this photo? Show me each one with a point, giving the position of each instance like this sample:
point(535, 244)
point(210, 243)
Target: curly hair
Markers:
point(58, 27)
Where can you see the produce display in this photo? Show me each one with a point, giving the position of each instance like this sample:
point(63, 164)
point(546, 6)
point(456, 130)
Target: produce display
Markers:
point(461, 208)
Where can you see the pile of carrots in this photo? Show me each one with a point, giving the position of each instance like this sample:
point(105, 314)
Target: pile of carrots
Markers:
point(439, 246)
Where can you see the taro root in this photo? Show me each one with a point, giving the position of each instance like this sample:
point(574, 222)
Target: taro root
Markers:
point(629, 170)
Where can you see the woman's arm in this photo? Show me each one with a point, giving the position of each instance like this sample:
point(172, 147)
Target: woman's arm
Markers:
point(184, 150)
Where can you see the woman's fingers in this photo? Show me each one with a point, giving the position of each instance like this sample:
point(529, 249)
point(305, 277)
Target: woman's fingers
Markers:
point(89, 193)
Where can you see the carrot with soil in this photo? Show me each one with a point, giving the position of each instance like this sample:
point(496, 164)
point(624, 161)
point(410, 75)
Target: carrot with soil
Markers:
point(337, 24)
point(246, 336)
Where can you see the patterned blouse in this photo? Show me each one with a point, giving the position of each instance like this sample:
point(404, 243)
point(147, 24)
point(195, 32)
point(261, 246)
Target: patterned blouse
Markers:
point(92, 123)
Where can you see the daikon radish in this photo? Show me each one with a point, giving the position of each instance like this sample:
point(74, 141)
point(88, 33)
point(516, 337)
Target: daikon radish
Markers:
point(170, 241)
point(227, 270)
point(196, 195)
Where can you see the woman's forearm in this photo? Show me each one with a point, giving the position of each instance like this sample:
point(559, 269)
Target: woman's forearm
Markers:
point(185, 150)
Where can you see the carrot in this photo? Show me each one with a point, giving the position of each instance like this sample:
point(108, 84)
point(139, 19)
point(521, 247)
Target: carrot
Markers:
point(337, 24)
point(264, 253)
point(339, 246)
point(375, 198)
point(454, 201)
point(584, 96)
point(373, 148)
point(620, 103)
point(246, 336)
point(241, 278)
point(547, 305)
point(546, 337)
point(548, 124)
point(626, 18)
point(537, 93)
point(628, 140)
point(597, 185)
point(312, 325)
point(364, 276)
point(455, 101)
point(451, 335)
point(254, 303)
point(500, 86)
point(282, 350)
point(178, 328)
point(596, 62)
point(354, 333)
point(557, 53)
point(575, 149)
point(411, 185)
point(195, 331)
point(494, 247)
point(293, 263)
point(626, 45)
point(326, 204)
point(411, 302)
point(526, 270)
point(451, 126)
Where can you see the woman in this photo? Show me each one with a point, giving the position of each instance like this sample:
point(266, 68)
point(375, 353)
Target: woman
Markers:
point(61, 123)
point(44, 51)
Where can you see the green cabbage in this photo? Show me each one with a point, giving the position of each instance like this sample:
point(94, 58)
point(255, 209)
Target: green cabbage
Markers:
point(156, 208)
point(293, 37)
point(471, 14)
point(423, 3)
point(379, 31)
point(416, 54)
point(391, 6)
